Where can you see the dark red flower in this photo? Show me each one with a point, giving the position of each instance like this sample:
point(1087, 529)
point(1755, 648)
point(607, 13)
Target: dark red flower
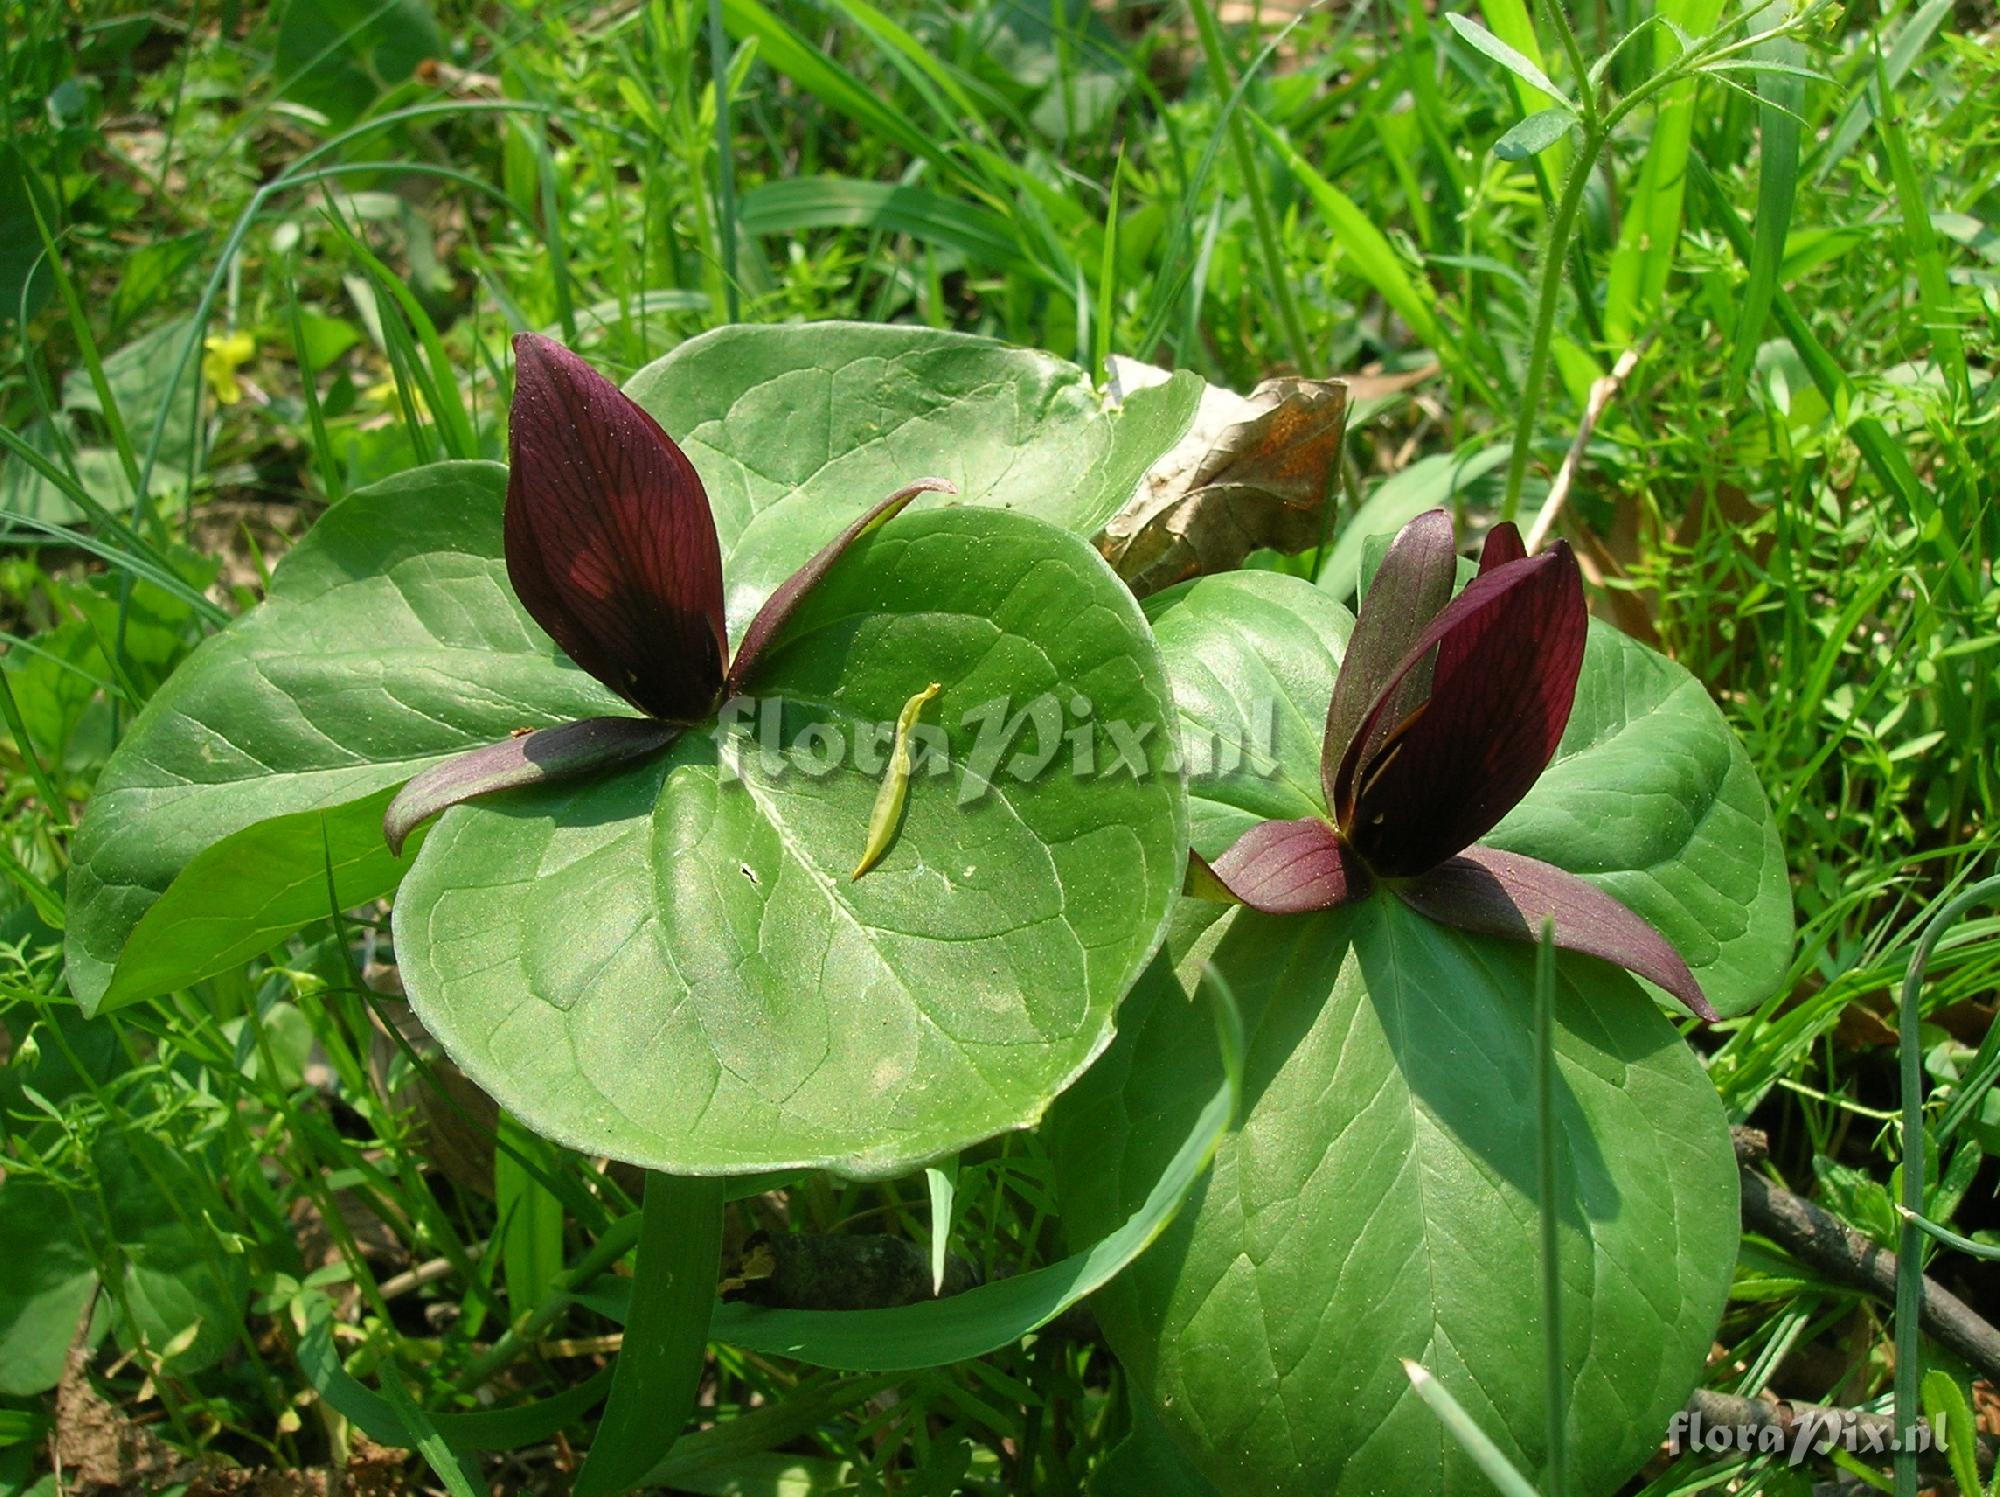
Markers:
point(611, 547)
point(1444, 714)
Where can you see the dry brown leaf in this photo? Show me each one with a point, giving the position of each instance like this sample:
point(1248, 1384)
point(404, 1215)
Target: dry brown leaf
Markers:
point(96, 1443)
point(1253, 471)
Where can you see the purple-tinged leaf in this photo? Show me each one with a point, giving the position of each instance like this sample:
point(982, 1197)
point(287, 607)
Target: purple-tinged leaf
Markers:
point(1412, 584)
point(778, 607)
point(573, 749)
point(1503, 544)
point(1434, 781)
point(1290, 867)
point(610, 542)
point(1496, 893)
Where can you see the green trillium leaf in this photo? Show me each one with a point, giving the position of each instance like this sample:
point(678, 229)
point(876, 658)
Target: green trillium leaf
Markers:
point(1379, 1201)
point(674, 965)
point(798, 430)
point(1649, 796)
point(389, 641)
point(246, 798)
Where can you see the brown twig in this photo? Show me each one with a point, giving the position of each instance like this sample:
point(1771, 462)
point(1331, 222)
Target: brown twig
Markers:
point(1829, 1246)
point(1602, 392)
point(1807, 1426)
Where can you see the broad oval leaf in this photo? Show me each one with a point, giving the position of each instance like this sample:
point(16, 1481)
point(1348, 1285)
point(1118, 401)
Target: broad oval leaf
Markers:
point(673, 965)
point(1379, 1201)
point(389, 641)
point(797, 430)
point(246, 799)
point(1650, 796)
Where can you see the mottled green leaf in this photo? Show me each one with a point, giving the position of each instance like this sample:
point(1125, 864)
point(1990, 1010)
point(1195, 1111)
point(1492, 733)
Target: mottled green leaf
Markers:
point(673, 964)
point(798, 430)
point(391, 640)
point(1379, 1202)
point(1650, 796)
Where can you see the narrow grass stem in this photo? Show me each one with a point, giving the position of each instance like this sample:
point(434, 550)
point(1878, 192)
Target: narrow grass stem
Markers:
point(1573, 50)
point(1548, 296)
point(1909, 1243)
point(515, 1343)
point(725, 155)
point(1253, 186)
point(1548, 1174)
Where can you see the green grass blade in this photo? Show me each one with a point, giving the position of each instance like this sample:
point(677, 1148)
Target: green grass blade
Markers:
point(1188, 273)
point(725, 156)
point(437, 373)
point(1368, 249)
point(445, 1463)
point(1276, 271)
point(766, 1428)
point(1860, 111)
point(1934, 294)
point(1473, 1440)
point(782, 48)
point(531, 1233)
point(984, 237)
point(666, 1333)
point(1650, 234)
point(1548, 1177)
point(47, 902)
point(1778, 130)
point(379, 1419)
point(86, 342)
point(1909, 1243)
point(323, 457)
point(52, 799)
point(1107, 278)
point(306, 171)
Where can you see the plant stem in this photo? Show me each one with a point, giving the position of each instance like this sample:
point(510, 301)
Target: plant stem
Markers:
point(1909, 1243)
point(666, 1332)
point(1548, 295)
point(725, 153)
point(1573, 50)
point(1253, 185)
point(519, 1337)
point(1548, 1173)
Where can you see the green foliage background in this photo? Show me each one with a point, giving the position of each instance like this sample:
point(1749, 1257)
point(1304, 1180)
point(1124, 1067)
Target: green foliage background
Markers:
point(1789, 490)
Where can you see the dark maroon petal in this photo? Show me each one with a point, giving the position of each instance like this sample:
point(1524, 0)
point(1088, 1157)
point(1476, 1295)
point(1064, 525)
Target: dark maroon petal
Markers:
point(1412, 584)
point(1503, 544)
point(610, 543)
point(528, 759)
point(1289, 867)
point(1437, 779)
point(778, 607)
point(1494, 893)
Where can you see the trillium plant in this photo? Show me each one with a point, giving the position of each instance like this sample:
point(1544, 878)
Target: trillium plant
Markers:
point(1444, 714)
point(611, 547)
point(655, 932)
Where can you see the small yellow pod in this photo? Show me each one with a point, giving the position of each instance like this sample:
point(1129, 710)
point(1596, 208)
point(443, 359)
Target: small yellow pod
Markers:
point(888, 811)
